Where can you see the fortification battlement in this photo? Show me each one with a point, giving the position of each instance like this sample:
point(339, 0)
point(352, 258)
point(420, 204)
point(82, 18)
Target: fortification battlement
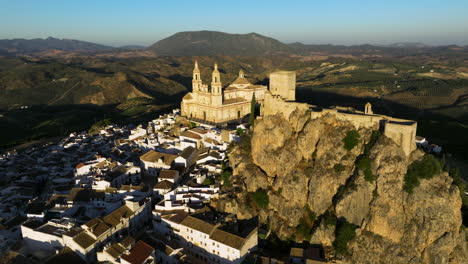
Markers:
point(401, 131)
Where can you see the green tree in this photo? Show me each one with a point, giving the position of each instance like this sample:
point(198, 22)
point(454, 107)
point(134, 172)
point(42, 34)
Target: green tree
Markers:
point(351, 139)
point(260, 197)
point(420, 169)
point(253, 105)
point(343, 234)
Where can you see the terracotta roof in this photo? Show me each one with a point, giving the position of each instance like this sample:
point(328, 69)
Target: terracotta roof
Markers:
point(116, 216)
point(73, 232)
point(154, 156)
point(117, 249)
point(84, 195)
point(190, 135)
point(163, 185)
point(118, 171)
point(100, 228)
point(66, 255)
point(128, 241)
point(198, 130)
point(84, 240)
point(241, 80)
point(131, 187)
point(33, 223)
point(139, 253)
point(80, 165)
point(168, 174)
point(187, 152)
point(228, 239)
point(197, 224)
point(176, 217)
point(92, 222)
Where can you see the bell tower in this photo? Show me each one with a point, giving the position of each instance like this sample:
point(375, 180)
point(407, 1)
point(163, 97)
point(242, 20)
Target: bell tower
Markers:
point(368, 109)
point(216, 87)
point(196, 79)
point(216, 81)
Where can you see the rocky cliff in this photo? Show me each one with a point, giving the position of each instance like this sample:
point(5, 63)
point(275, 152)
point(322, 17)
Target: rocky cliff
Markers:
point(312, 182)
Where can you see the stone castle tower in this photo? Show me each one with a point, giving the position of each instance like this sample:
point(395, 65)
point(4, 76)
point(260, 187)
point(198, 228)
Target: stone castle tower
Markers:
point(283, 83)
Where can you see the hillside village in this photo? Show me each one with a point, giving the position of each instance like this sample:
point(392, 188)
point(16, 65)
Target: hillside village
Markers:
point(124, 195)
point(140, 194)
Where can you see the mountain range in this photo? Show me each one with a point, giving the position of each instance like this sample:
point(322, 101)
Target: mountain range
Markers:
point(16, 46)
point(208, 43)
point(211, 43)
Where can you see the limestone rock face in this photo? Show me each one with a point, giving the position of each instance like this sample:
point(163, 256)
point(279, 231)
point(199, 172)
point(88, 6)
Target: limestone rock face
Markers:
point(301, 162)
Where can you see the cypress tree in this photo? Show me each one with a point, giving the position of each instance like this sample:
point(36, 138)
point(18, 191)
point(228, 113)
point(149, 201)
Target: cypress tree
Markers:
point(252, 110)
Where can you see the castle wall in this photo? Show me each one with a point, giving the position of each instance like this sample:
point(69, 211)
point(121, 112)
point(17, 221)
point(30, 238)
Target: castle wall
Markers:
point(274, 104)
point(401, 131)
point(358, 120)
point(403, 134)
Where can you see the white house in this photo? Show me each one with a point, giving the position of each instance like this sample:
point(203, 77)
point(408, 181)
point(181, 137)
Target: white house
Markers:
point(209, 239)
point(187, 157)
point(137, 132)
point(163, 187)
point(421, 142)
point(111, 253)
point(152, 161)
point(131, 217)
point(169, 175)
point(189, 138)
point(185, 198)
point(43, 237)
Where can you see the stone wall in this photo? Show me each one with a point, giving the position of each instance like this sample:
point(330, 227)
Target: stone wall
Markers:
point(402, 131)
point(283, 83)
point(404, 134)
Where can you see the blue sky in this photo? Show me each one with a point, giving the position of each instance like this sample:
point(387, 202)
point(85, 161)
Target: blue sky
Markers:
point(143, 22)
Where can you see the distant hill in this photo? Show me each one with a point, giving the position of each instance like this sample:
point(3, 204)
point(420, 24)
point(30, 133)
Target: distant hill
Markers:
point(15, 46)
point(132, 47)
point(408, 45)
point(207, 43)
point(393, 50)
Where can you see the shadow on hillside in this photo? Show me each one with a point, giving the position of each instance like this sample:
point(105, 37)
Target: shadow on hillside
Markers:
point(379, 106)
point(440, 129)
point(43, 121)
point(184, 80)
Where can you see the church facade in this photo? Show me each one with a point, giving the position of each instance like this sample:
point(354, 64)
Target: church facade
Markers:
point(220, 104)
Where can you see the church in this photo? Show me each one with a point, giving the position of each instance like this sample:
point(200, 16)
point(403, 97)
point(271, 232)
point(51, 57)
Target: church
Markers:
point(219, 104)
